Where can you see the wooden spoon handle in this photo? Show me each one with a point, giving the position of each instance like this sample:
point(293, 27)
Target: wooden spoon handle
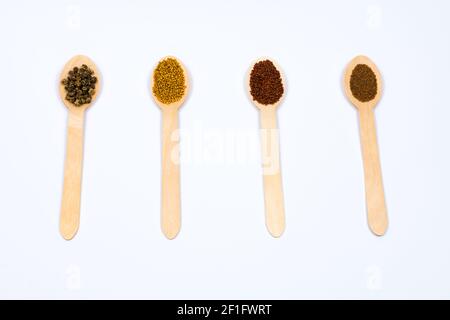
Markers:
point(70, 207)
point(170, 194)
point(273, 190)
point(376, 206)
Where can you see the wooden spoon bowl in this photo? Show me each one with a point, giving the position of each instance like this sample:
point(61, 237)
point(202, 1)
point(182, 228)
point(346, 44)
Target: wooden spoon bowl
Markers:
point(177, 104)
point(346, 83)
point(258, 105)
point(77, 61)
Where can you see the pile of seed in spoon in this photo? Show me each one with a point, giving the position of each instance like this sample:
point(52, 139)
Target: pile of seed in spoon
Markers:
point(169, 84)
point(80, 85)
point(363, 83)
point(266, 85)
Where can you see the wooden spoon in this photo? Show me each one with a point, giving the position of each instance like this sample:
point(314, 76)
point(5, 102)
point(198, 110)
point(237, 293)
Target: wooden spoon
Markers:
point(376, 206)
point(273, 189)
point(170, 193)
point(70, 207)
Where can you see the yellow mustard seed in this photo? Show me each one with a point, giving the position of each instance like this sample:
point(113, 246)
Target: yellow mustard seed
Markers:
point(169, 81)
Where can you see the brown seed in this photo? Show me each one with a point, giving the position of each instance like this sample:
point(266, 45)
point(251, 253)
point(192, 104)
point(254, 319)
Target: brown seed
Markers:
point(266, 85)
point(363, 83)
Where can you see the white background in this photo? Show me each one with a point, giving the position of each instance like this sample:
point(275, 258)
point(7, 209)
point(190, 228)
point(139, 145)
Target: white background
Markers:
point(224, 250)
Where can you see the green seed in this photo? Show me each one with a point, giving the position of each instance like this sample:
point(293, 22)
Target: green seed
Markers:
point(79, 85)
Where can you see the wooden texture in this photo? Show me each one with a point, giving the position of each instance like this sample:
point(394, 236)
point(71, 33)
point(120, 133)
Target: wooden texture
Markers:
point(375, 200)
point(170, 194)
point(71, 197)
point(170, 161)
point(273, 187)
